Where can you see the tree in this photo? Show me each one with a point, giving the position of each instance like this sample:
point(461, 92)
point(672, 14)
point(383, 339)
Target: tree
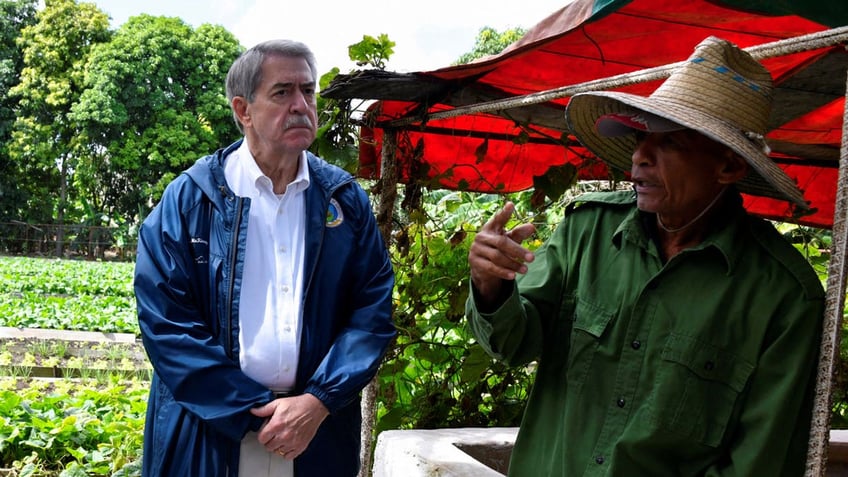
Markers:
point(45, 142)
point(15, 15)
point(491, 42)
point(153, 103)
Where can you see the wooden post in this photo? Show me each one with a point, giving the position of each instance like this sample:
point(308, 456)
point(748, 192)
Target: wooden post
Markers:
point(832, 327)
point(385, 213)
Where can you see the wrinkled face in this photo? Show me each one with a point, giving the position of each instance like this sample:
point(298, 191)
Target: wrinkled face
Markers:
point(677, 174)
point(283, 115)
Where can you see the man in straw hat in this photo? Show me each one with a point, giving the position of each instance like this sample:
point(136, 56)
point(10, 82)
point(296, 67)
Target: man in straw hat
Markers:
point(675, 334)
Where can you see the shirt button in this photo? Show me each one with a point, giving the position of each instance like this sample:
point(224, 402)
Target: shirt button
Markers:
point(636, 344)
point(287, 329)
point(709, 365)
point(599, 459)
point(621, 402)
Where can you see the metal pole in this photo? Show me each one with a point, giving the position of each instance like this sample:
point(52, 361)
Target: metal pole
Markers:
point(832, 327)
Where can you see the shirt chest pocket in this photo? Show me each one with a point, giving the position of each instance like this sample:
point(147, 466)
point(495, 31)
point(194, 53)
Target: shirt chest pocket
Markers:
point(590, 322)
point(698, 386)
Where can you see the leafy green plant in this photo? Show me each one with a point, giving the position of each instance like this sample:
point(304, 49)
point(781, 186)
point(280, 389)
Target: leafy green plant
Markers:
point(435, 375)
point(67, 295)
point(372, 52)
point(49, 349)
point(72, 428)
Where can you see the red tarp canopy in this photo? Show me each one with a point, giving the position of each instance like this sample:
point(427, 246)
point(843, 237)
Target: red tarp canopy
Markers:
point(503, 150)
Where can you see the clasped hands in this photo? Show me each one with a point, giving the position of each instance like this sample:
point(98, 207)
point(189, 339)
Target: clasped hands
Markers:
point(291, 424)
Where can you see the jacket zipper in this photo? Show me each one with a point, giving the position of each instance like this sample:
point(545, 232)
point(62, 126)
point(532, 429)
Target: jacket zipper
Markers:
point(231, 284)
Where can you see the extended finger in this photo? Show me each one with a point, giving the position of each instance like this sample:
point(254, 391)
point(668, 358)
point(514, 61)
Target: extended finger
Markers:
point(522, 232)
point(518, 235)
point(507, 249)
point(499, 220)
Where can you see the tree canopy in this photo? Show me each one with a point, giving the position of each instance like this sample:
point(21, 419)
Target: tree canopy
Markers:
point(153, 102)
point(97, 121)
point(45, 141)
point(491, 42)
point(15, 15)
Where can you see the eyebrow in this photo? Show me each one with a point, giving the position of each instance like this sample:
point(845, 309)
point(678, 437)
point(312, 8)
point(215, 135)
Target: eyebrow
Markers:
point(293, 84)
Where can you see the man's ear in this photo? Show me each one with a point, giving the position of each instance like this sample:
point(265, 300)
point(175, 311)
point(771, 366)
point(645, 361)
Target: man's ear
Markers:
point(735, 168)
point(240, 108)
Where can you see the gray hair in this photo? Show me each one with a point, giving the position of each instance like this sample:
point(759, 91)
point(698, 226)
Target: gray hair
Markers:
point(246, 72)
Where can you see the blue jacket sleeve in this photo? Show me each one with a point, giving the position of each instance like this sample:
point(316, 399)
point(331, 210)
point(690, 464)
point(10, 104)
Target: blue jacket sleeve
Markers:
point(179, 327)
point(362, 313)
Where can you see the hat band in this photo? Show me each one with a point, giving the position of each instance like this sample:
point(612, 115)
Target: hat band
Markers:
point(724, 70)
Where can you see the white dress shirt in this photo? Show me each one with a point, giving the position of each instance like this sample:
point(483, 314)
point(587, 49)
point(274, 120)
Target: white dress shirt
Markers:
point(272, 282)
point(272, 285)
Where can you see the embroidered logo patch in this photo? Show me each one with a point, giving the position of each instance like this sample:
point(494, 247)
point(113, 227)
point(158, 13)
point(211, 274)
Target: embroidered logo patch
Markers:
point(200, 248)
point(334, 214)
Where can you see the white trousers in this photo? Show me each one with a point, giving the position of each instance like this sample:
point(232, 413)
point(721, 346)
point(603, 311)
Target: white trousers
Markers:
point(256, 461)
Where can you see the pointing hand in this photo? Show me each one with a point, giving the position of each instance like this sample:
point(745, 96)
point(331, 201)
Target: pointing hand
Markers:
point(496, 254)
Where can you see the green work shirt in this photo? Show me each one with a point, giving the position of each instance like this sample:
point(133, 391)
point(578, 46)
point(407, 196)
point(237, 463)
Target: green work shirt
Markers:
point(700, 366)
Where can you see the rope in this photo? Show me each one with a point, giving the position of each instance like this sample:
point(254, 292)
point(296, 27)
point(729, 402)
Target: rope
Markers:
point(812, 41)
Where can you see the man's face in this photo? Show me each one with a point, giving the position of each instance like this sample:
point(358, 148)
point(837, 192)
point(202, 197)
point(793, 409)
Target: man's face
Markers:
point(677, 174)
point(283, 116)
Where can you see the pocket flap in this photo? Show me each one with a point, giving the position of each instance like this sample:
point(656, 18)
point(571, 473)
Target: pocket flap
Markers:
point(591, 318)
point(708, 361)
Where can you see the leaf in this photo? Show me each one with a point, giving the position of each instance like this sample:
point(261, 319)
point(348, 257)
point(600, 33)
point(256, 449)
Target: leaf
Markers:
point(373, 52)
point(556, 181)
point(475, 364)
point(481, 150)
point(392, 419)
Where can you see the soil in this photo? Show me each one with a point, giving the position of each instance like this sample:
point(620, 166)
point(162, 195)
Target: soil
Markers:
point(56, 357)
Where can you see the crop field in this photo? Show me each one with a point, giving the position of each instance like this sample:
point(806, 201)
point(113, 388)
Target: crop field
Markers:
point(67, 295)
point(70, 407)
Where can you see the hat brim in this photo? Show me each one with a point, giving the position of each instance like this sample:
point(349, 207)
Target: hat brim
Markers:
point(615, 124)
point(765, 179)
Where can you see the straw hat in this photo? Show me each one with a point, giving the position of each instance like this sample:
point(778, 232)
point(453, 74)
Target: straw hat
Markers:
point(720, 91)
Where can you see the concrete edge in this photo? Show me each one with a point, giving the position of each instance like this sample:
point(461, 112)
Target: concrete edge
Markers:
point(37, 333)
point(434, 452)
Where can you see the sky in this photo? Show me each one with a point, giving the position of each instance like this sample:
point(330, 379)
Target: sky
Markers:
point(428, 35)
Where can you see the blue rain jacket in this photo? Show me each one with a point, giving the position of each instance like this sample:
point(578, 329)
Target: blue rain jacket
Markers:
point(187, 279)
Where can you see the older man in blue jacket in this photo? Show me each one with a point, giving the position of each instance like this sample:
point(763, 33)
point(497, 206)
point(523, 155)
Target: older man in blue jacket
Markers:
point(264, 293)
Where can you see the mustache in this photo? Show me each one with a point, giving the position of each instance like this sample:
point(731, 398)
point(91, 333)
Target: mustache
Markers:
point(297, 121)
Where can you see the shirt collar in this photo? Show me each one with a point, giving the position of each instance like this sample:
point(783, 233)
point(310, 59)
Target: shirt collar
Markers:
point(725, 240)
point(253, 174)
